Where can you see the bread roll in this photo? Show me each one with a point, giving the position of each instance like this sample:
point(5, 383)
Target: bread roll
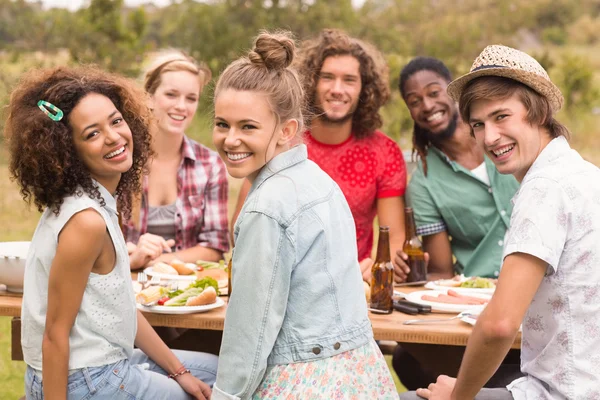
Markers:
point(162, 268)
point(208, 296)
point(181, 267)
point(367, 292)
point(448, 282)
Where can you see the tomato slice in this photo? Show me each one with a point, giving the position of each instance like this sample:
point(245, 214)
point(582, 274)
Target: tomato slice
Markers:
point(162, 301)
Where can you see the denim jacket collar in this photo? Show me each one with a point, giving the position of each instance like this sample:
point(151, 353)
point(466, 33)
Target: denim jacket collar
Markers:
point(280, 162)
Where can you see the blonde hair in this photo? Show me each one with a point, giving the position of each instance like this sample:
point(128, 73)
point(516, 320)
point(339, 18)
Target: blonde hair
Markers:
point(170, 60)
point(266, 69)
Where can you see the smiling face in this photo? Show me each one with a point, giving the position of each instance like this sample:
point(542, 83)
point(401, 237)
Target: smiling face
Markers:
point(512, 143)
point(102, 139)
point(246, 133)
point(175, 101)
point(428, 103)
point(338, 88)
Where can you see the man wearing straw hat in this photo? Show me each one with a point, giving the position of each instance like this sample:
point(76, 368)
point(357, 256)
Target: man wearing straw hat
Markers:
point(549, 280)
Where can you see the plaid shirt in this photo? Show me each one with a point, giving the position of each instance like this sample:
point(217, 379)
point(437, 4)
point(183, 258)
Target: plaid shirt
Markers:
point(202, 188)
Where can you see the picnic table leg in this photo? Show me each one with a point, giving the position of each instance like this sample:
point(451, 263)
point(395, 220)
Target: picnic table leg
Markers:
point(16, 349)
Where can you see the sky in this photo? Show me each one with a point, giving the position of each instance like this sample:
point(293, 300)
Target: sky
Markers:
point(75, 4)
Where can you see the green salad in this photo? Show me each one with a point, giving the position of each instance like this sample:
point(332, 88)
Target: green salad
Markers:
point(478, 283)
point(179, 297)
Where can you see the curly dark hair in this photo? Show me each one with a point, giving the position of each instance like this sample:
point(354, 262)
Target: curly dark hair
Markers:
point(43, 159)
point(421, 141)
point(374, 75)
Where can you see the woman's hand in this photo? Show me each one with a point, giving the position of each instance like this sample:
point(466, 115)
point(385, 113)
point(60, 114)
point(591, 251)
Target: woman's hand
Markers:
point(194, 386)
point(149, 247)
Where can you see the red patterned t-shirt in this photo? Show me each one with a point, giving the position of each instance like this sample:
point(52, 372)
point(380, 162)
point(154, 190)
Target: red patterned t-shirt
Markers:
point(365, 169)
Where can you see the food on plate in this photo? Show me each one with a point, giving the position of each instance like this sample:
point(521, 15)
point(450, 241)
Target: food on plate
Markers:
point(207, 296)
point(367, 291)
point(455, 298)
point(181, 267)
point(454, 282)
point(198, 293)
point(153, 293)
point(164, 268)
point(216, 270)
point(477, 282)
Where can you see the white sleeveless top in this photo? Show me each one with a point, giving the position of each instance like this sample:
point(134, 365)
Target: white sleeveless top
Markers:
point(105, 326)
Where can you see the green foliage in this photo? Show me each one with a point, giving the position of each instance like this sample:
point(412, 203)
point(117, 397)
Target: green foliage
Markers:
point(101, 34)
point(575, 78)
point(117, 37)
point(554, 35)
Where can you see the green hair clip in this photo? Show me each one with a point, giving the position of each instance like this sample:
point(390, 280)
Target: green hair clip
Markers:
point(56, 116)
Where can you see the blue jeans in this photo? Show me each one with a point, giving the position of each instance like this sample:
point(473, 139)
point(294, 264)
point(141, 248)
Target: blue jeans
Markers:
point(129, 379)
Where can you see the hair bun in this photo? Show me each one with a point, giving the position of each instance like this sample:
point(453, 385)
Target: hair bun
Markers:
point(273, 50)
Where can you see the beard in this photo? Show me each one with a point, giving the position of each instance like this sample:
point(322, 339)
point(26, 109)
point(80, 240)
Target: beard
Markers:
point(445, 134)
point(334, 121)
point(321, 114)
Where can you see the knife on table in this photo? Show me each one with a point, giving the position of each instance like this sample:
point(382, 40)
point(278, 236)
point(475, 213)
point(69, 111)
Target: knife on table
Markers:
point(405, 307)
point(421, 308)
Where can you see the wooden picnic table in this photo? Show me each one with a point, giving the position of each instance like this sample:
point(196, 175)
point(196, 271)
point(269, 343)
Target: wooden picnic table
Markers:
point(388, 327)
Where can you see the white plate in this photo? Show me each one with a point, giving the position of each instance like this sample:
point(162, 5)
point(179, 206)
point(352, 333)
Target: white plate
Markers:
point(470, 319)
point(182, 309)
point(415, 297)
point(434, 286)
point(150, 272)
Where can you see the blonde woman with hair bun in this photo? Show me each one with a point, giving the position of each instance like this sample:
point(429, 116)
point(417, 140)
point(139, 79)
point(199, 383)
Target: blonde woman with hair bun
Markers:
point(182, 211)
point(297, 323)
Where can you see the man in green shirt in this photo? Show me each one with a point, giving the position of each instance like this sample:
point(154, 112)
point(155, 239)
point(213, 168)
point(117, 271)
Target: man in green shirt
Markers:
point(461, 203)
point(462, 208)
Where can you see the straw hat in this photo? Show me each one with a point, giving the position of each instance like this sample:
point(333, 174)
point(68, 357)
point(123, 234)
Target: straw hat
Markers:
point(497, 60)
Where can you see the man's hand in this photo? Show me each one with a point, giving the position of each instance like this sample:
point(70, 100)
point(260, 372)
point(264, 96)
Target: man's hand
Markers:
point(440, 390)
point(149, 247)
point(401, 268)
point(194, 386)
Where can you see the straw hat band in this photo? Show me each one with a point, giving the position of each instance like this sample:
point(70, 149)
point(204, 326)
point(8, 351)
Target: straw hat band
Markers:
point(488, 66)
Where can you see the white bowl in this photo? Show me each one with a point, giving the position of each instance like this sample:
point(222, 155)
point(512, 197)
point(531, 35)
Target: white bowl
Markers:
point(12, 264)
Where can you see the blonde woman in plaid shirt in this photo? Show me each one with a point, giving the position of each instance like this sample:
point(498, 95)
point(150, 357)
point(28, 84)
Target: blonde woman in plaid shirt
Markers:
point(182, 212)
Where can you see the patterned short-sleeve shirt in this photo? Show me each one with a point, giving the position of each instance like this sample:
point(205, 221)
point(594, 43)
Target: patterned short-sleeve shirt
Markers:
point(556, 218)
point(365, 169)
point(201, 204)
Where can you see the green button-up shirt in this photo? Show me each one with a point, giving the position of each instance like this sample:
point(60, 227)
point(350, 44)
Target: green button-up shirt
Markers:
point(476, 216)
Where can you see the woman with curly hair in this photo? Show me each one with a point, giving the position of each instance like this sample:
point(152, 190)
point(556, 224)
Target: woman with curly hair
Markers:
point(79, 140)
point(182, 212)
point(346, 83)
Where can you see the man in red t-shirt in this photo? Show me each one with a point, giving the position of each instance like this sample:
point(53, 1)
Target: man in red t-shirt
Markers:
point(346, 83)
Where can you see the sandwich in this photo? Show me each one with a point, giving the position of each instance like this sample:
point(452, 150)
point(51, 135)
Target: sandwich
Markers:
point(199, 293)
point(181, 267)
point(163, 268)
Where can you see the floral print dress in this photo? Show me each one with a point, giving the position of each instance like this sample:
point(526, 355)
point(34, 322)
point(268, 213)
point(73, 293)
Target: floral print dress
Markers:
point(361, 373)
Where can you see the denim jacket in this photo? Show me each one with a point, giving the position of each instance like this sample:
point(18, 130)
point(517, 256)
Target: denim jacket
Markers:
point(297, 289)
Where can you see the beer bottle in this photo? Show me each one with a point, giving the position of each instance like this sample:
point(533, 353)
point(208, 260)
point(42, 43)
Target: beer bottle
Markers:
point(382, 275)
point(229, 276)
point(414, 249)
